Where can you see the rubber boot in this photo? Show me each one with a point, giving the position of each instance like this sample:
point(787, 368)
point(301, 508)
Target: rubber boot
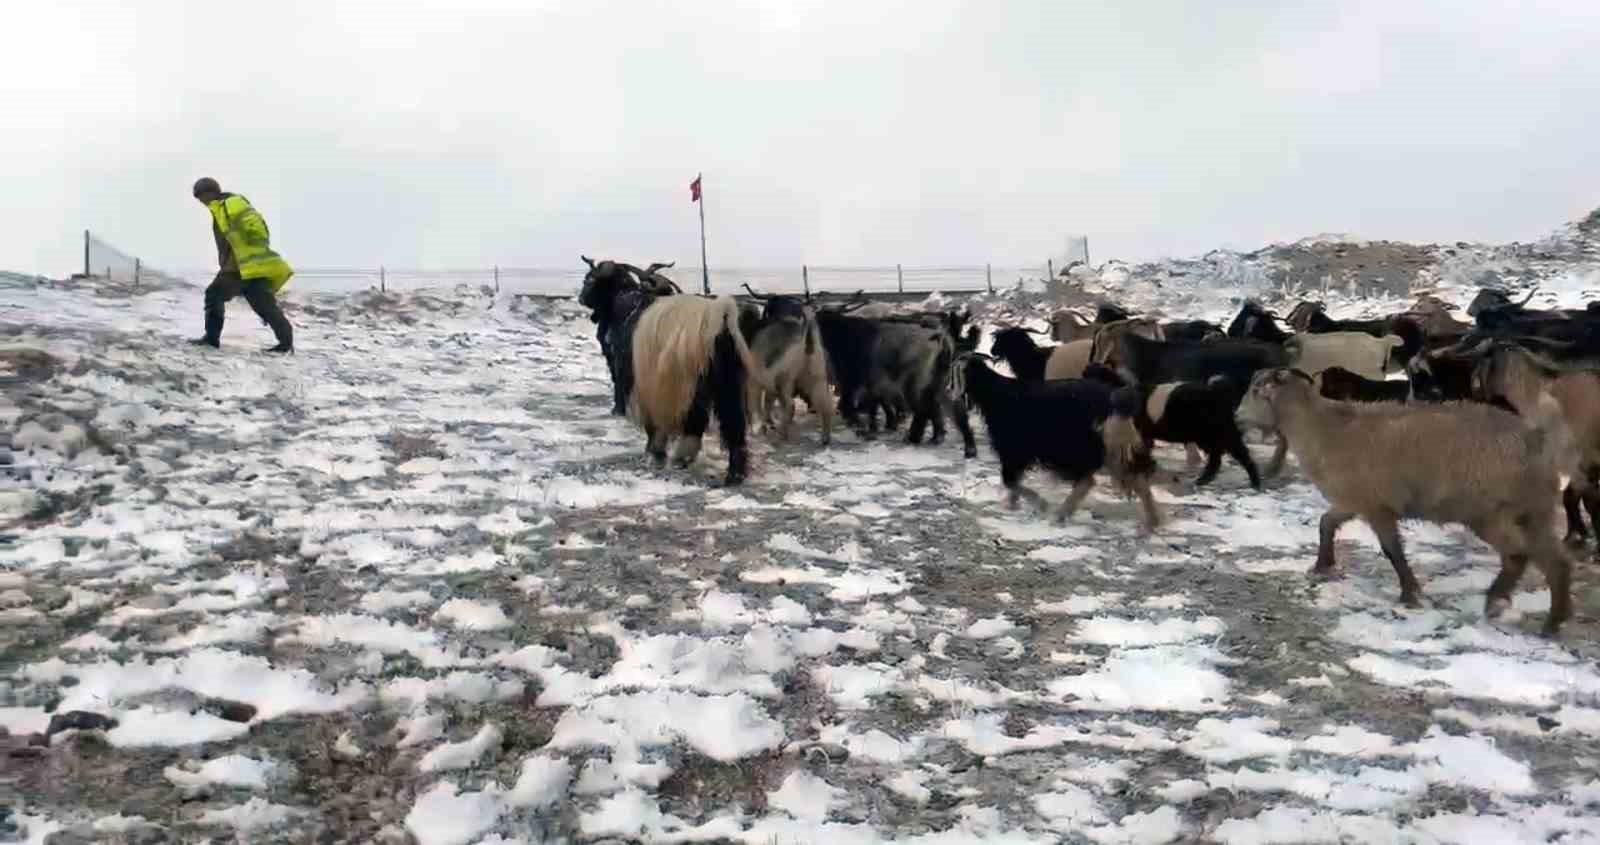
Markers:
point(213, 336)
point(285, 333)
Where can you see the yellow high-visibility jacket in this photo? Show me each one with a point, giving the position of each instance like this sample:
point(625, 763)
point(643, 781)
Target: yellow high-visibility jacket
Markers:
point(249, 240)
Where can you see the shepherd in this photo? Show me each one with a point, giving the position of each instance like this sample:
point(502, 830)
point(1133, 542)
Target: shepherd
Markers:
point(247, 266)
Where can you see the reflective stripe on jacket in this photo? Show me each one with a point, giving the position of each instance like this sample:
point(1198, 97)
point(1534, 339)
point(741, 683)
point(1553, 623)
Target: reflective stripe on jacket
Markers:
point(249, 240)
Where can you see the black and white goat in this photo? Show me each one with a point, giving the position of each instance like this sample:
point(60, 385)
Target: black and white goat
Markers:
point(676, 358)
point(1191, 413)
point(1072, 427)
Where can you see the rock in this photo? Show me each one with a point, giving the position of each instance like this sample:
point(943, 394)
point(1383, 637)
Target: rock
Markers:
point(153, 601)
point(79, 720)
point(14, 598)
point(233, 711)
point(1546, 723)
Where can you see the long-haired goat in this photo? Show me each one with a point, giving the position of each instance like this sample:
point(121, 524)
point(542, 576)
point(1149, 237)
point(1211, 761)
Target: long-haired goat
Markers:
point(1467, 463)
point(1193, 414)
point(1517, 377)
point(687, 358)
point(1072, 427)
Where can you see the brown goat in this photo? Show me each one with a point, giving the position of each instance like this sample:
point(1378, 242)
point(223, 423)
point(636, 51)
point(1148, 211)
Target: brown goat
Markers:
point(1467, 463)
point(1067, 325)
point(1439, 327)
point(1516, 376)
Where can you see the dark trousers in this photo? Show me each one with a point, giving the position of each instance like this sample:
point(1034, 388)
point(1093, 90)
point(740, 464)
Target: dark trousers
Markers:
point(257, 292)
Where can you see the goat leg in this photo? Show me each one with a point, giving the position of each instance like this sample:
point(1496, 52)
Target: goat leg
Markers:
point(1213, 466)
point(969, 446)
point(1279, 453)
point(1018, 489)
point(1388, 530)
point(1550, 557)
point(1075, 498)
point(1327, 529)
point(656, 446)
point(1191, 456)
point(1147, 502)
point(1591, 503)
point(1577, 534)
point(785, 410)
point(1241, 455)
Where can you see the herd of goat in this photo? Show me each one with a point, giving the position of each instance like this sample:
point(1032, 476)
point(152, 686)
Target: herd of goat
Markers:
point(1495, 423)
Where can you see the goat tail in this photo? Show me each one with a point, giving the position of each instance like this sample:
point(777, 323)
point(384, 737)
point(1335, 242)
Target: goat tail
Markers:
point(1127, 453)
point(730, 323)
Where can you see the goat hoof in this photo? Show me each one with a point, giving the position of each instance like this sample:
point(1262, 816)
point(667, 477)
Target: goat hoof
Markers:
point(1411, 600)
point(1551, 630)
point(1494, 607)
point(969, 453)
point(1324, 571)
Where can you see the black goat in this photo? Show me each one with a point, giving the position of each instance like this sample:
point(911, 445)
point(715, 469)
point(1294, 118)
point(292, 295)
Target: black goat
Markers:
point(1442, 375)
point(1158, 362)
point(1192, 412)
point(1256, 323)
point(1345, 386)
point(1072, 427)
point(614, 294)
point(1191, 330)
point(1025, 357)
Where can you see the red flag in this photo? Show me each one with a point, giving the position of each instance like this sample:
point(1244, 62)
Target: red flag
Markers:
point(694, 190)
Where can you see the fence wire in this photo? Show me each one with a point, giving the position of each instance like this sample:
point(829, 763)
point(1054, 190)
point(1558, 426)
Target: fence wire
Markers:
point(564, 281)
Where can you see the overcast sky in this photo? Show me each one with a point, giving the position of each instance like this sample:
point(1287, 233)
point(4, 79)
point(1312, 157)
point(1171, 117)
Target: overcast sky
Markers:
point(852, 132)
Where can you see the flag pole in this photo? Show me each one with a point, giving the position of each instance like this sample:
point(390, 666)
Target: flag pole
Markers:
point(705, 271)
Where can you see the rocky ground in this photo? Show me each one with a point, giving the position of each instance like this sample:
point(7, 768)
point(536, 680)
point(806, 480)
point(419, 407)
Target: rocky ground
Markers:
point(413, 584)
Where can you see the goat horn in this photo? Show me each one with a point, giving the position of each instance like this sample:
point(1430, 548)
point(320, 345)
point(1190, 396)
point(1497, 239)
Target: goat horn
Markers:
point(1529, 297)
point(752, 292)
point(587, 260)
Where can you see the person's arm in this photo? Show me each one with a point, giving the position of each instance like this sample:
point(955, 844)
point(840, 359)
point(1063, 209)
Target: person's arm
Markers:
point(224, 252)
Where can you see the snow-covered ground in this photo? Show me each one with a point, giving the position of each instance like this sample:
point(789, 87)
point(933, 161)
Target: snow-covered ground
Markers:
point(414, 581)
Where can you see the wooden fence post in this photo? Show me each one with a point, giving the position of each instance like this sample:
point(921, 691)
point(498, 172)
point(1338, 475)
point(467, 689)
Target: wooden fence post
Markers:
point(496, 278)
point(1050, 268)
point(383, 279)
point(988, 277)
point(805, 279)
point(136, 267)
point(899, 278)
point(85, 252)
